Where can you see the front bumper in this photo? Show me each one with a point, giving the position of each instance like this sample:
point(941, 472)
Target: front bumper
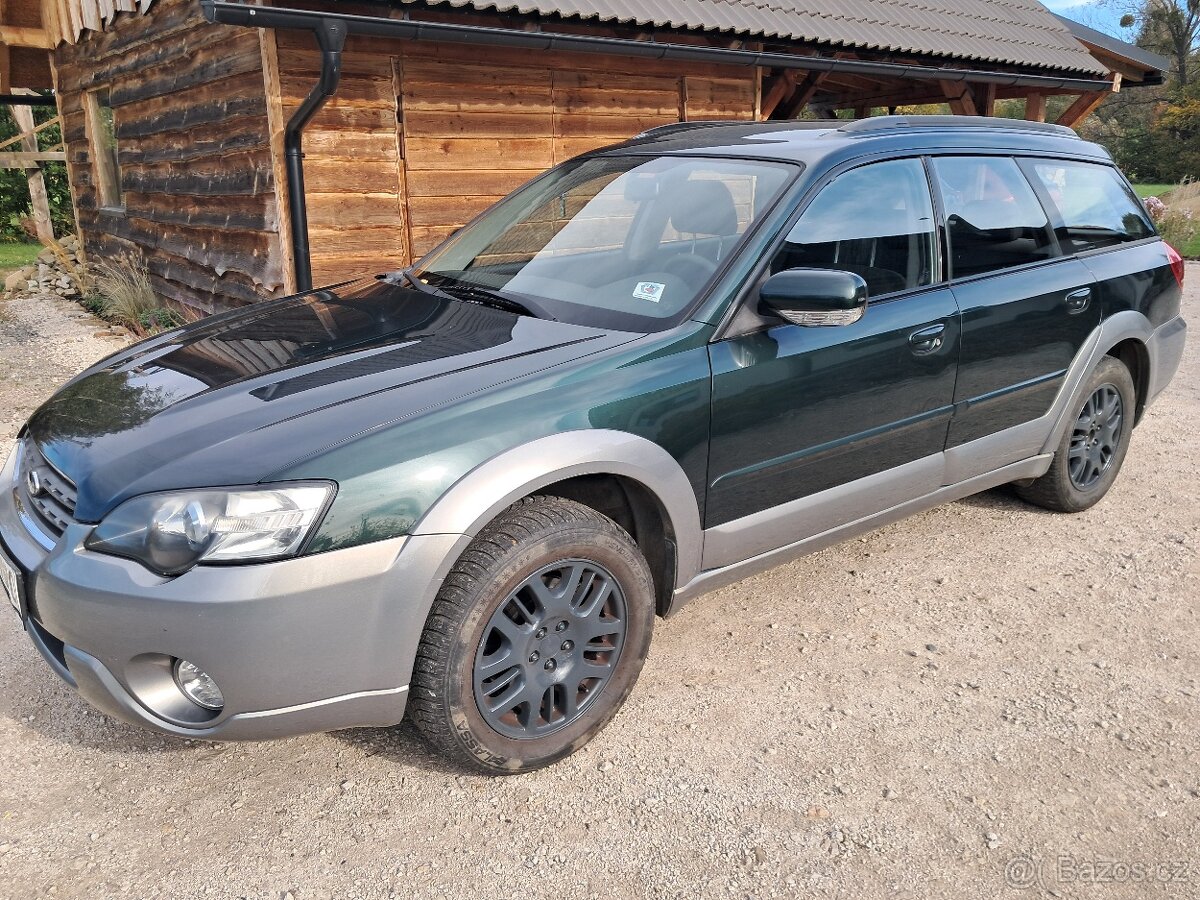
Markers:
point(302, 645)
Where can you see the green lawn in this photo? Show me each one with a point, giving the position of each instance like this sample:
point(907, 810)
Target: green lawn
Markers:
point(14, 256)
point(1192, 248)
point(1152, 190)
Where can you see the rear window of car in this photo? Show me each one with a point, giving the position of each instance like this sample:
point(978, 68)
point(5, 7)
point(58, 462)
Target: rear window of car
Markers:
point(993, 217)
point(1095, 208)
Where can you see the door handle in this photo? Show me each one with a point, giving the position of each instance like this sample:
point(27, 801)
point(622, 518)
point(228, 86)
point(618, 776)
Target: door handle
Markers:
point(927, 340)
point(1078, 301)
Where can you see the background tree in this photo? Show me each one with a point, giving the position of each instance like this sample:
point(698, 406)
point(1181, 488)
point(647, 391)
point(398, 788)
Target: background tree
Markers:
point(1170, 28)
point(15, 208)
point(1154, 132)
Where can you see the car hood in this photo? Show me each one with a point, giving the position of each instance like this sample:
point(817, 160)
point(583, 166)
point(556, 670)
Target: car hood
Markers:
point(234, 398)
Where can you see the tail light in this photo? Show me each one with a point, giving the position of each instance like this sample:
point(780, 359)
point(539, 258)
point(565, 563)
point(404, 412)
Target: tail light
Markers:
point(1176, 262)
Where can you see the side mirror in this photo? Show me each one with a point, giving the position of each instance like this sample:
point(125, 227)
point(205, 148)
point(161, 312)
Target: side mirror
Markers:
point(815, 297)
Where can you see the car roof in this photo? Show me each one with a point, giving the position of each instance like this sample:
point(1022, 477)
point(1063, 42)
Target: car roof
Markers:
point(832, 141)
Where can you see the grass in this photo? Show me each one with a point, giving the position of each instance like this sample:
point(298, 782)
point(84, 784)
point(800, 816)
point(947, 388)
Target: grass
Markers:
point(1186, 196)
point(1152, 190)
point(14, 256)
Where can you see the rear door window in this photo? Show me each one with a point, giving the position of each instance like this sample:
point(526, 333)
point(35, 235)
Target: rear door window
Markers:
point(1095, 208)
point(994, 220)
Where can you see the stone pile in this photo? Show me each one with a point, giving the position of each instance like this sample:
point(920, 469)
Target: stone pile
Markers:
point(48, 274)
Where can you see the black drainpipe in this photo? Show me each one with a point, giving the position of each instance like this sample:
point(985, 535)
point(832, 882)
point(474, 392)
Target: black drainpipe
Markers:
point(331, 37)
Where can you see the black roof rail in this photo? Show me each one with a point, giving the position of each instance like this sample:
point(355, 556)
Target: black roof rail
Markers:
point(672, 127)
point(876, 124)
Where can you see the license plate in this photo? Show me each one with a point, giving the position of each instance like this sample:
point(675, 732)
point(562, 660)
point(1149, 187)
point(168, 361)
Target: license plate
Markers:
point(10, 581)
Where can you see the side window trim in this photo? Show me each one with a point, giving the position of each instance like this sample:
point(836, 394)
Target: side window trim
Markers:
point(1053, 213)
point(749, 289)
point(940, 205)
point(942, 244)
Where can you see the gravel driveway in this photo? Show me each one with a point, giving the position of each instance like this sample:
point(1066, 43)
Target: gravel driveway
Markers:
point(983, 691)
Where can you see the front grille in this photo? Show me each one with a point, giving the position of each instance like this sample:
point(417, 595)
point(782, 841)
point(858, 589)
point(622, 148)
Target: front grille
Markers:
point(45, 493)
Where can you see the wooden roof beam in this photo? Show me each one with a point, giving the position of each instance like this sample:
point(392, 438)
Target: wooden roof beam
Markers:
point(958, 94)
point(803, 95)
point(912, 94)
point(779, 88)
point(1087, 104)
point(20, 36)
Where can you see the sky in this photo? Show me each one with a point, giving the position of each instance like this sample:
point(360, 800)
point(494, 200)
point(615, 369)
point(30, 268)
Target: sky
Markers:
point(1103, 15)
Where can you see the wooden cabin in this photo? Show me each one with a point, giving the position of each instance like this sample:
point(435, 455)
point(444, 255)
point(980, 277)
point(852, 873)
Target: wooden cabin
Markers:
point(174, 125)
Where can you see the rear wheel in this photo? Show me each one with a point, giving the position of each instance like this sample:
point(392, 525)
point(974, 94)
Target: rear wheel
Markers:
point(535, 640)
point(1091, 452)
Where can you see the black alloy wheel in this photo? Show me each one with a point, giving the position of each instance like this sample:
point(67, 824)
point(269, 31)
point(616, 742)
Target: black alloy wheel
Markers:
point(549, 649)
point(1093, 443)
point(1096, 437)
point(535, 640)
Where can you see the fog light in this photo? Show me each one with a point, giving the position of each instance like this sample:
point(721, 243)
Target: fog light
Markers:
point(198, 686)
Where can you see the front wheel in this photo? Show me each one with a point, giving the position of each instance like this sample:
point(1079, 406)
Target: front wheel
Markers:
point(1091, 452)
point(535, 640)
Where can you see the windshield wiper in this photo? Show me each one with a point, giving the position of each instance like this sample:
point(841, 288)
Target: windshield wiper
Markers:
point(404, 277)
point(465, 290)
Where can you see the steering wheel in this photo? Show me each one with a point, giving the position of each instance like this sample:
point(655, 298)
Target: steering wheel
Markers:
point(695, 270)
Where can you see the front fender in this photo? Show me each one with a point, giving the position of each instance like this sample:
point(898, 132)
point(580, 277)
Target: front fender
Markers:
point(480, 495)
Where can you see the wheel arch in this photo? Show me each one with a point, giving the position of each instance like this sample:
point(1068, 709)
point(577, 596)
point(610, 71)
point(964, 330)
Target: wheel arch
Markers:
point(578, 465)
point(1127, 332)
point(1134, 353)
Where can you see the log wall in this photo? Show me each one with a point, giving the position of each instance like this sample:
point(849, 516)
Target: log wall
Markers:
point(419, 138)
point(194, 151)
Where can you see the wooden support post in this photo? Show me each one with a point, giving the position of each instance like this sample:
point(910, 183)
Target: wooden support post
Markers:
point(40, 200)
point(985, 99)
point(276, 122)
point(5, 61)
point(958, 93)
point(1035, 107)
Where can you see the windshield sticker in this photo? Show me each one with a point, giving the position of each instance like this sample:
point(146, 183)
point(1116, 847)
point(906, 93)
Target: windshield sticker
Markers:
point(649, 290)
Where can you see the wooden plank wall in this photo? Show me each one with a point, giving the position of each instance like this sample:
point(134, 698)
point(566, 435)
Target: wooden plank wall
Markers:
point(473, 131)
point(352, 172)
point(422, 136)
point(194, 152)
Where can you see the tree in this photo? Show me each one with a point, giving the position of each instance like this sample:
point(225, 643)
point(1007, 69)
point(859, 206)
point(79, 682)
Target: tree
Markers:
point(14, 186)
point(1170, 28)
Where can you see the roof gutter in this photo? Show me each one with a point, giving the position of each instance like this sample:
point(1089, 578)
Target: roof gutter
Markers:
point(231, 12)
point(332, 28)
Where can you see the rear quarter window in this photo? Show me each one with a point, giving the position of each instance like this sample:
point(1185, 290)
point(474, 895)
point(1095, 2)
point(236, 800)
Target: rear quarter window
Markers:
point(1095, 208)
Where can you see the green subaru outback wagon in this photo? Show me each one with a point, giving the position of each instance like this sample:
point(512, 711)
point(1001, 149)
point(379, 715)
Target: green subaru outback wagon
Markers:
point(465, 490)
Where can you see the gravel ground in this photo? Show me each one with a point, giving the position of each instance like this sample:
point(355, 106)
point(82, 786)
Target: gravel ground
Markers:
point(982, 696)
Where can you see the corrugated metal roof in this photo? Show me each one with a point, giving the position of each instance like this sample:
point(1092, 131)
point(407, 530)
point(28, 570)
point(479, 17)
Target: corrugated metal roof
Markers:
point(1013, 32)
point(1152, 62)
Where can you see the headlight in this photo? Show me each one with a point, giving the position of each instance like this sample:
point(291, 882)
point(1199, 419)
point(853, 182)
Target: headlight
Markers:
point(170, 533)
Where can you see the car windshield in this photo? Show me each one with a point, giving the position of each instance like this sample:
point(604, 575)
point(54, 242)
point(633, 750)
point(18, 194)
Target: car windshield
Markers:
point(626, 242)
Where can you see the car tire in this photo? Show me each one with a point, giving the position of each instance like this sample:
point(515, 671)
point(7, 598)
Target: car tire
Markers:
point(1091, 451)
point(536, 638)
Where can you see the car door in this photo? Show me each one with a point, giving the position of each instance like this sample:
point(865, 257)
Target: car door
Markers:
point(1026, 310)
point(813, 427)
